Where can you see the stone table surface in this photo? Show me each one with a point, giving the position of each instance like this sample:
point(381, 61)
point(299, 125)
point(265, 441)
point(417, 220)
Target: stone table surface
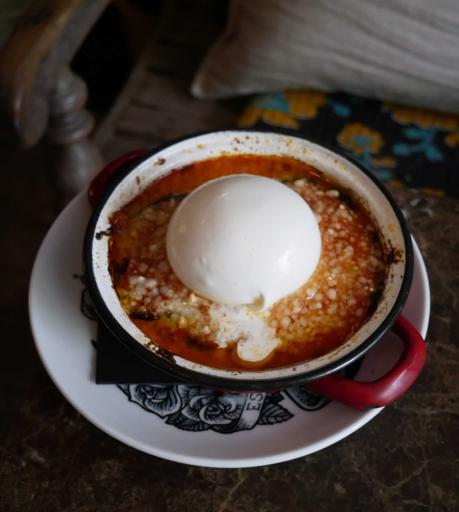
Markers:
point(52, 459)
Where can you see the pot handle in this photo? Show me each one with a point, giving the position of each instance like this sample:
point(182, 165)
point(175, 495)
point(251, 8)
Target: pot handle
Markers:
point(99, 182)
point(388, 388)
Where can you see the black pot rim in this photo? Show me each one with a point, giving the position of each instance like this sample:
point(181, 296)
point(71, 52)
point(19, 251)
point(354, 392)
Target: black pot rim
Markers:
point(165, 362)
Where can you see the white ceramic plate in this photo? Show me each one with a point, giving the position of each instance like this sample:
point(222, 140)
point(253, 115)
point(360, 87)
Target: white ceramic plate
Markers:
point(185, 423)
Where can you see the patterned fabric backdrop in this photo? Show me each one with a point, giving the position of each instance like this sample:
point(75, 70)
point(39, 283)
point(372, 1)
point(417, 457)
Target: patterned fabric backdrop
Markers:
point(403, 145)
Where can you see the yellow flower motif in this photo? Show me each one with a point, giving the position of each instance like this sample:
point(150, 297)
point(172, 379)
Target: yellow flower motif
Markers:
point(293, 105)
point(452, 139)
point(360, 139)
point(305, 104)
point(250, 116)
point(384, 161)
point(273, 117)
point(276, 118)
point(422, 117)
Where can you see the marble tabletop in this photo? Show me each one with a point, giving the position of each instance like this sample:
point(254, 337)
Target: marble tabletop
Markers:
point(406, 459)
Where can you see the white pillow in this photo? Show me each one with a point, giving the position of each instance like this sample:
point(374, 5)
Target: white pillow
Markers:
point(401, 50)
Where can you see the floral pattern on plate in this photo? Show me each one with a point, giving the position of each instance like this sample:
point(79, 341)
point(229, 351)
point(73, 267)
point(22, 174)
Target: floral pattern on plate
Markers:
point(196, 408)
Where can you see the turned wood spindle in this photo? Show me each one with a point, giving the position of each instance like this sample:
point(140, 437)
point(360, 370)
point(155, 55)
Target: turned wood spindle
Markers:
point(70, 125)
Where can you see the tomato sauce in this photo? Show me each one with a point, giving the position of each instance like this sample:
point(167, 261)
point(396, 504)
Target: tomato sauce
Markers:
point(336, 301)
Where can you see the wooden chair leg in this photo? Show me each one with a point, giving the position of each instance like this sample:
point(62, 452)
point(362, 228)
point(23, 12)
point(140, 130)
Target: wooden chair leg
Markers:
point(70, 125)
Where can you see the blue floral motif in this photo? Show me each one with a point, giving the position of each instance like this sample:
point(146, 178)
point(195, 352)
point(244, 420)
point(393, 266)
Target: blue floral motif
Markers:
point(274, 101)
point(280, 103)
point(423, 143)
point(339, 108)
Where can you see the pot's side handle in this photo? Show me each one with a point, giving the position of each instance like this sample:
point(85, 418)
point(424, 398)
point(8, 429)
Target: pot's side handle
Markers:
point(98, 184)
point(388, 388)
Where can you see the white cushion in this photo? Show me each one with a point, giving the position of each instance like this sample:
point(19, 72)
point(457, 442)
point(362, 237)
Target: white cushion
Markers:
point(401, 50)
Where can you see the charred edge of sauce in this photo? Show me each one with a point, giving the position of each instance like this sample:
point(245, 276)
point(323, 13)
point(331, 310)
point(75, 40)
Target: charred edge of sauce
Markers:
point(349, 201)
point(160, 161)
point(393, 255)
point(144, 315)
point(375, 237)
point(118, 268)
point(106, 232)
point(161, 352)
